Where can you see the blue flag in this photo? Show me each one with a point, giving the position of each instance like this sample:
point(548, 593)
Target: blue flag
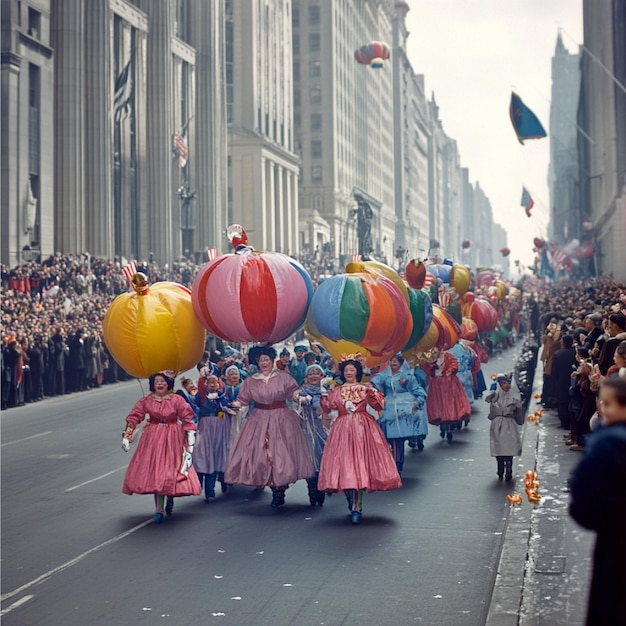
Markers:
point(525, 122)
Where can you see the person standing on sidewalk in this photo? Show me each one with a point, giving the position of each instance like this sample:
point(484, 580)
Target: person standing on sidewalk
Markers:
point(563, 365)
point(505, 414)
point(598, 503)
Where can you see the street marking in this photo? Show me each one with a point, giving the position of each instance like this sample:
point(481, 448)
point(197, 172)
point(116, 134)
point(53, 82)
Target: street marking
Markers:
point(15, 605)
point(10, 443)
point(93, 480)
point(74, 561)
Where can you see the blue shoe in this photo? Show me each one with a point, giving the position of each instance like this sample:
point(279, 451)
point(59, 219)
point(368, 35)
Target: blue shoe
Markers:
point(158, 517)
point(356, 517)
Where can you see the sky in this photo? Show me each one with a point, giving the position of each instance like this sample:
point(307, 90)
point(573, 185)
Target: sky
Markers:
point(473, 53)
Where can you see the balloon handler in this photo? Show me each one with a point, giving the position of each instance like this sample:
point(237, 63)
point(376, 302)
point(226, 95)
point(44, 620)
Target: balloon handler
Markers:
point(134, 327)
point(161, 464)
point(505, 414)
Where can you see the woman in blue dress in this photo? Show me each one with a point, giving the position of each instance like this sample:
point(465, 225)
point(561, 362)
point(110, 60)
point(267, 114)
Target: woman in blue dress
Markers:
point(315, 424)
point(404, 415)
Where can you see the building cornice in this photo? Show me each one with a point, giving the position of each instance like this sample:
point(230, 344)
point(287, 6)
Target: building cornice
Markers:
point(130, 13)
point(35, 44)
point(8, 57)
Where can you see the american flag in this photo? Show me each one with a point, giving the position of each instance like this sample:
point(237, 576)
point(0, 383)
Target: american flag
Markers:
point(356, 257)
point(180, 146)
point(444, 297)
point(212, 253)
point(559, 258)
point(429, 280)
point(527, 201)
point(129, 271)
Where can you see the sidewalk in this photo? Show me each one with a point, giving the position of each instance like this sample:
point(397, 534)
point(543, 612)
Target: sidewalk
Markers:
point(545, 564)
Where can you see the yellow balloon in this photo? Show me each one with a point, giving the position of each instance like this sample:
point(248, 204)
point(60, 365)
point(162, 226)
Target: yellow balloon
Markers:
point(154, 331)
point(338, 348)
point(427, 342)
point(460, 278)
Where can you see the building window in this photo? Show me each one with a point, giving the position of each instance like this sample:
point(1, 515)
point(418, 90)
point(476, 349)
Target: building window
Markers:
point(295, 17)
point(316, 123)
point(296, 97)
point(315, 43)
point(34, 23)
point(34, 99)
point(316, 174)
point(314, 15)
point(296, 72)
point(296, 43)
point(316, 149)
point(315, 95)
point(230, 57)
point(315, 69)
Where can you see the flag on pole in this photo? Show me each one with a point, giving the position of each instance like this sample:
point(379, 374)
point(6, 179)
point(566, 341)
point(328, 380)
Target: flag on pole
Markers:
point(122, 100)
point(180, 145)
point(525, 122)
point(356, 257)
point(527, 202)
point(212, 253)
point(129, 271)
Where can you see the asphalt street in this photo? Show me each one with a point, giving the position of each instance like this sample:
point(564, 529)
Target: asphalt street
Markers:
point(75, 550)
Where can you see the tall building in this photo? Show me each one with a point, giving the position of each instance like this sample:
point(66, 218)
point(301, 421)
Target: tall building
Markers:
point(411, 139)
point(602, 115)
point(96, 92)
point(343, 126)
point(563, 171)
point(263, 166)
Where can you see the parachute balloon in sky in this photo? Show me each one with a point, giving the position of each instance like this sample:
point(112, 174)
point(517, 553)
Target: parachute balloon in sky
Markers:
point(505, 251)
point(153, 329)
point(373, 54)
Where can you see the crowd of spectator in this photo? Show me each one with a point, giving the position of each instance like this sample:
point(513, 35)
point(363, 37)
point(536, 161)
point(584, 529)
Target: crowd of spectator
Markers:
point(52, 314)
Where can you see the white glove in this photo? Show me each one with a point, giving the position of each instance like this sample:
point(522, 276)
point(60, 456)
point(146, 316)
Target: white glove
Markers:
point(305, 399)
point(184, 468)
point(125, 444)
point(212, 396)
point(350, 406)
point(191, 440)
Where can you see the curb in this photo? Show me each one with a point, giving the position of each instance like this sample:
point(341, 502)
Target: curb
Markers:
point(508, 590)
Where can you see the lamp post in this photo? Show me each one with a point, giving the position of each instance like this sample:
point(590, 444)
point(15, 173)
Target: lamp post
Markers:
point(186, 197)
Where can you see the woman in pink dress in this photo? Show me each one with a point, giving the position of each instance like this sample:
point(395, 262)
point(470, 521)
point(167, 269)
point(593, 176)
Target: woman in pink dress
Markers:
point(446, 401)
point(270, 449)
point(356, 457)
point(161, 464)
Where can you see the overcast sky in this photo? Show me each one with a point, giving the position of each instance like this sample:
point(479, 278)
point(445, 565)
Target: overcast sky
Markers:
point(473, 53)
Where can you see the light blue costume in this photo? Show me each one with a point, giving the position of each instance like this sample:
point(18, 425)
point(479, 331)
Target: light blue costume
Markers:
point(399, 419)
point(465, 358)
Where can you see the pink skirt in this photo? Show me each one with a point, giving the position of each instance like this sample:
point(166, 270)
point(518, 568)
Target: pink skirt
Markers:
point(155, 465)
point(446, 400)
point(271, 449)
point(357, 456)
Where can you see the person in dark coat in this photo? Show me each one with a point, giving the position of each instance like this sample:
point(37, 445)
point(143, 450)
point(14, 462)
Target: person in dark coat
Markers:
point(76, 361)
point(563, 366)
point(617, 332)
point(598, 503)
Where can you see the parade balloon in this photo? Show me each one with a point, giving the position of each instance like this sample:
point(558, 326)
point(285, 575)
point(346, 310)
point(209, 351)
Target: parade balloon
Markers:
point(426, 343)
point(449, 330)
point(415, 274)
point(483, 313)
point(379, 269)
point(505, 251)
point(422, 314)
point(469, 329)
point(154, 328)
point(460, 278)
point(252, 296)
point(373, 54)
point(366, 309)
point(466, 244)
point(440, 271)
point(539, 243)
point(338, 350)
point(485, 278)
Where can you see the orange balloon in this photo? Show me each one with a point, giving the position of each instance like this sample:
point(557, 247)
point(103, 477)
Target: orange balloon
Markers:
point(338, 348)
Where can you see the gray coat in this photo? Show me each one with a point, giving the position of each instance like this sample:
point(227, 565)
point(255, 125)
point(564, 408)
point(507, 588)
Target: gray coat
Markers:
point(505, 414)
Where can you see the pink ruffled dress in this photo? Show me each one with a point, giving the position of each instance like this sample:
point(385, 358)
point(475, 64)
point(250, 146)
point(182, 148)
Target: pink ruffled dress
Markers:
point(157, 460)
point(356, 455)
point(271, 448)
point(446, 400)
